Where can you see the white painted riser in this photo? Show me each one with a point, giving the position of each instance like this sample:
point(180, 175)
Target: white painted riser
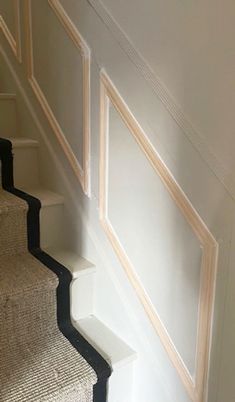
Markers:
point(116, 352)
point(120, 356)
point(26, 167)
point(83, 284)
point(82, 296)
point(51, 226)
point(51, 217)
point(8, 119)
point(120, 387)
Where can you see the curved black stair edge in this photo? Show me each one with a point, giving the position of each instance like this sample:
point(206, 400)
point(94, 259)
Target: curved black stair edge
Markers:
point(86, 350)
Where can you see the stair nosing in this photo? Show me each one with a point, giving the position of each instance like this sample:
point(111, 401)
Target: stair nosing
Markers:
point(131, 355)
point(56, 200)
point(89, 269)
point(7, 96)
point(23, 142)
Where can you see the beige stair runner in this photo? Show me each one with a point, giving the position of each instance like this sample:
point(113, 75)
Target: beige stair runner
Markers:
point(37, 363)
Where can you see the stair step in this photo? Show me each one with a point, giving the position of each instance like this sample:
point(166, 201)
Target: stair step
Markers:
point(8, 115)
point(82, 286)
point(106, 342)
point(77, 265)
point(47, 197)
point(51, 216)
point(23, 142)
point(7, 96)
point(109, 345)
point(26, 162)
point(116, 352)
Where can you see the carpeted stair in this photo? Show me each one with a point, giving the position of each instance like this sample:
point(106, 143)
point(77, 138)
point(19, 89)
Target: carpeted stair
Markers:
point(42, 357)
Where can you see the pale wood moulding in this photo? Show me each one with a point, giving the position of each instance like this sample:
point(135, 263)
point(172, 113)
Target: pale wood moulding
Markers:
point(195, 386)
point(14, 42)
point(81, 172)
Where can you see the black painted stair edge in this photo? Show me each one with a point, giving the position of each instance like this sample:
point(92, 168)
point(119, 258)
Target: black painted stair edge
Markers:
point(94, 359)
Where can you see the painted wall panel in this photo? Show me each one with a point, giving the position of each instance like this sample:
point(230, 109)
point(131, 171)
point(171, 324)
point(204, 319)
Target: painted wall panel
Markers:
point(195, 385)
point(156, 237)
point(58, 69)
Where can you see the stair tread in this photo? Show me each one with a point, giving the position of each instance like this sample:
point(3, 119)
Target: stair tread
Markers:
point(74, 262)
point(103, 339)
point(23, 142)
point(22, 273)
point(47, 197)
point(5, 95)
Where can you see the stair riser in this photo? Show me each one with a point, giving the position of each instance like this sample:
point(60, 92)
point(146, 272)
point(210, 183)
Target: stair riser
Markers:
point(82, 296)
point(8, 118)
point(26, 167)
point(51, 226)
point(119, 355)
point(121, 384)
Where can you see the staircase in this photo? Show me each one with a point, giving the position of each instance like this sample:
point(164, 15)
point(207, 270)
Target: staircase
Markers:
point(49, 351)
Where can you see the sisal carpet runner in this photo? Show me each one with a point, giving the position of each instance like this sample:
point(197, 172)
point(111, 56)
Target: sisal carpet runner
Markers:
point(37, 362)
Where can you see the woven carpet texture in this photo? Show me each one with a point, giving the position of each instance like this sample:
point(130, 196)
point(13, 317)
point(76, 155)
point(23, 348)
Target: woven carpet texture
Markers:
point(37, 363)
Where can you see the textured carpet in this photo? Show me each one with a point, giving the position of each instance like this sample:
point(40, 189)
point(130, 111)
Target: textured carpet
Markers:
point(37, 363)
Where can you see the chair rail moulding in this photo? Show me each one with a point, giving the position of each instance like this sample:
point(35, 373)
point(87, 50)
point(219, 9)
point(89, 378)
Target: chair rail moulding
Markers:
point(81, 172)
point(196, 385)
point(179, 115)
point(14, 42)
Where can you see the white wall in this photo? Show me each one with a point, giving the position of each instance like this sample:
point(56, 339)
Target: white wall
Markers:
point(56, 57)
point(187, 47)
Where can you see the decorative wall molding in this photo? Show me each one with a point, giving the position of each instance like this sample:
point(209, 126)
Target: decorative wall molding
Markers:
point(194, 386)
point(196, 138)
point(15, 43)
point(86, 222)
point(81, 172)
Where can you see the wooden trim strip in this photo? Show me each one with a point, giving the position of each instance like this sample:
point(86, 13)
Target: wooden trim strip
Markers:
point(81, 172)
point(18, 29)
point(222, 172)
point(69, 26)
point(86, 122)
point(15, 43)
point(194, 386)
point(57, 129)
